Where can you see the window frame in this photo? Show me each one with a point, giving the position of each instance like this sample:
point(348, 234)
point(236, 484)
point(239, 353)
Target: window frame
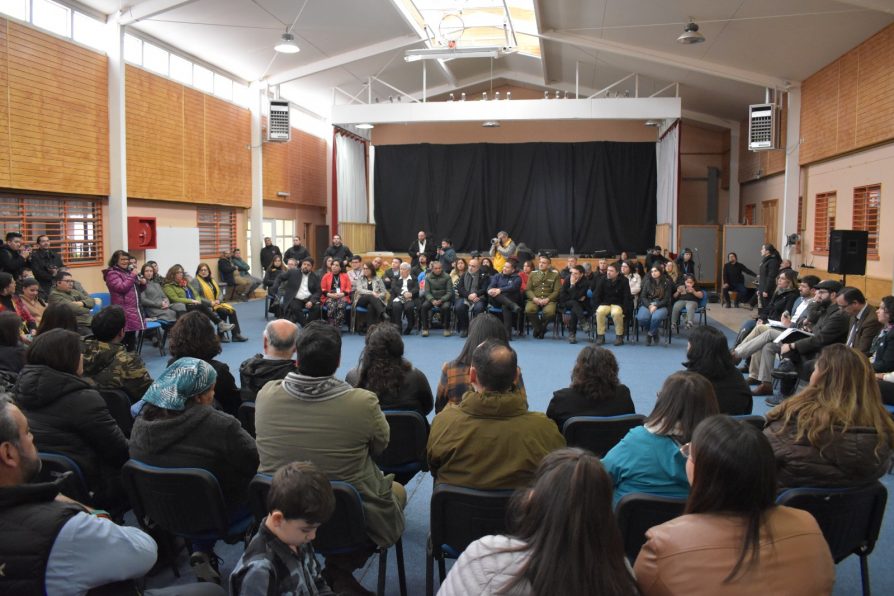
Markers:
point(28, 216)
point(867, 217)
point(217, 235)
point(824, 219)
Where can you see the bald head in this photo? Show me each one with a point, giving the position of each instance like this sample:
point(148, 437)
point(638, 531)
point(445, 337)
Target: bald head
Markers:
point(494, 366)
point(279, 339)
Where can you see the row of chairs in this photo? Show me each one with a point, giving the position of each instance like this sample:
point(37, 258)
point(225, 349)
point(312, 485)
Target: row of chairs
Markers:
point(162, 328)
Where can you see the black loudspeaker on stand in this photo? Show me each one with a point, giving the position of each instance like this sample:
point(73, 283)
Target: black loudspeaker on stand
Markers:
point(847, 252)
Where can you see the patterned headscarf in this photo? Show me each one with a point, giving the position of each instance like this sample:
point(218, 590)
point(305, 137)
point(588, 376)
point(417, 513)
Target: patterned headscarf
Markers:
point(183, 380)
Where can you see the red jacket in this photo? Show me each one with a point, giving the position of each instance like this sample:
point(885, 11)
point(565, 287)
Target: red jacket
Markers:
point(344, 284)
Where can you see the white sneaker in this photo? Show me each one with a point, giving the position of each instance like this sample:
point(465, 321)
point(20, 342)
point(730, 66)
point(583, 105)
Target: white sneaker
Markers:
point(223, 327)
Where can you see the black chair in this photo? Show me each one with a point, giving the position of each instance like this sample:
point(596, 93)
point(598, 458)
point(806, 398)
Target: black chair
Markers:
point(637, 512)
point(459, 516)
point(59, 468)
point(185, 502)
point(599, 433)
point(345, 531)
point(405, 455)
point(118, 403)
point(756, 420)
point(850, 519)
point(246, 416)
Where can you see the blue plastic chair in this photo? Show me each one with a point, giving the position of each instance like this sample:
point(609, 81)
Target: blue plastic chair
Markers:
point(105, 300)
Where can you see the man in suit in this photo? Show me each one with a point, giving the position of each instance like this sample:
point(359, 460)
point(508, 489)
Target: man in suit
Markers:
point(404, 296)
point(471, 294)
point(422, 246)
point(301, 293)
point(864, 325)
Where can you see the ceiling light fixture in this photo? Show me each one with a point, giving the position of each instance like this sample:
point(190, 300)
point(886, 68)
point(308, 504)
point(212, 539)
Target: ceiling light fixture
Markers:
point(690, 34)
point(451, 53)
point(365, 126)
point(287, 44)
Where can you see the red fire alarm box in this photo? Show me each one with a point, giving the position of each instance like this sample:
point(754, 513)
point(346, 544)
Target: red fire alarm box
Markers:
point(141, 233)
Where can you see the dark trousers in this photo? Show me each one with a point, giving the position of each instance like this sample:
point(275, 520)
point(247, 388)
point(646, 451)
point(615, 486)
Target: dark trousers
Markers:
point(375, 308)
point(743, 294)
point(576, 314)
point(427, 307)
point(298, 313)
point(205, 310)
point(462, 308)
point(509, 306)
point(399, 309)
point(887, 389)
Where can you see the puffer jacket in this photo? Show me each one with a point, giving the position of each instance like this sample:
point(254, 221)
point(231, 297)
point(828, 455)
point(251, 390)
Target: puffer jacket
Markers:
point(67, 416)
point(257, 371)
point(486, 566)
point(200, 437)
point(849, 460)
point(767, 272)
point(123, 292)
point(780, 302)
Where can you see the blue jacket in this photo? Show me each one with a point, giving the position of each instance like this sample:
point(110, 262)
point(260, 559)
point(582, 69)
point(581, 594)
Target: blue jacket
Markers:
point(644, 462)
point(507, 284)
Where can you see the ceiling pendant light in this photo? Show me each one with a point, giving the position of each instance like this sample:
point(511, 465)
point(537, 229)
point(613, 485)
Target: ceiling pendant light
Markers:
point(287, 44)
point(690, 34)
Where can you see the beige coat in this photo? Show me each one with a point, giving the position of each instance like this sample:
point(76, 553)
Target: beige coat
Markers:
point(692, 554)
point(339, 435)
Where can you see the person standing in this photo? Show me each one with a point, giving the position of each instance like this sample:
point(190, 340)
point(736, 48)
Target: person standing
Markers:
point(269, 251)
point(339, 252)
point(123, 283)
point(296, 251)
point(501, 249)
point(421, 246)
point(45, 262)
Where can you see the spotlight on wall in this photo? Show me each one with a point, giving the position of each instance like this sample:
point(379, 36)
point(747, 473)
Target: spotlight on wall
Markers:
point(491, 124)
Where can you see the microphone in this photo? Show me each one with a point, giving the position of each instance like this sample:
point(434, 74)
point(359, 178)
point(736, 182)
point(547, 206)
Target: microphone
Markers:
point(695, 249)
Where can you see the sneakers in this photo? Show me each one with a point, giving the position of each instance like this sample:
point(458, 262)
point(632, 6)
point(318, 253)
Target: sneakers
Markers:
point(447, 333)
point(425, 333)
point(619, 341)
point(774, 401)
point(572, 338)
point(600, 340)
point(205, 566)
point(240, 338)
point(464, 333)
point(223, 326)
point(648, 340)
point(763, 389)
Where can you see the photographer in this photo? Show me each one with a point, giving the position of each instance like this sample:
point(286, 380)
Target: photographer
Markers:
point(501, 249)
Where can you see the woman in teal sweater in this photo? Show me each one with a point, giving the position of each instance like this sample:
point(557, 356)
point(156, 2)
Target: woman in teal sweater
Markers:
point(648, 458)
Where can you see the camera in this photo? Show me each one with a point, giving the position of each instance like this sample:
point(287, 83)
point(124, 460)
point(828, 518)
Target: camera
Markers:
point(494, 240)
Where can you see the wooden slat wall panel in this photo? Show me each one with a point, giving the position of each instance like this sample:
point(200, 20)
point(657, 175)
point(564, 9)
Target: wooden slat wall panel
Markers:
point(359, 236)
point(183, 145)
point(155, 136)
point(55, 131)
point(276, 170)
point(5, 179)
point(849, 104)
point(310, 170)
point(227, 142)
point(874, 288)
point(194, 151)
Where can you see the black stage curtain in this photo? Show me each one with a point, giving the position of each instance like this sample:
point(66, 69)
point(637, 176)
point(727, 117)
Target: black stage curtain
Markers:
point(592, 196)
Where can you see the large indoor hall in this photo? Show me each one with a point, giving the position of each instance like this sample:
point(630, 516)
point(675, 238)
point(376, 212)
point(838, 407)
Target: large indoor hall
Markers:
point(446, 297)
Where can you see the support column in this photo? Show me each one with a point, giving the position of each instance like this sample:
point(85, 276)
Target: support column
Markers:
point(256, 212)
point(116, 232)
point(792, 190)
point(734, 188)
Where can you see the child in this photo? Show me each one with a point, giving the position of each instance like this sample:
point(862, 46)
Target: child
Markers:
point(280, 558)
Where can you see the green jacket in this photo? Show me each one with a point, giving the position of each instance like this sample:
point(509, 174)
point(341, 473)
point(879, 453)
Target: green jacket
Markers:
point(76, 302)
point(176, 293)
point(490, 441)
point(111, 366)
point(544, 285)
point(438, 287)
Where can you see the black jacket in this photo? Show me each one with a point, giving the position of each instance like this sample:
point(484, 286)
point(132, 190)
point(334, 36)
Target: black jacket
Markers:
point(11, 261)
point(464, 284)
point(257, 371)
point(778, 303)
point(398, 284)
point(199, 437)
point(338, 253)
point(299, 254)
point(68, 416)
point(734, 273)
point(733, 395)
point(606, 291)
point(659, 292)
point(267, 254)
point(226, 268)
point(567, 403)
point(289, 282)
point(42, 260)
point(883, 347)
point(413, 394)
point(767, 273)
point(575, 293)
point(431, 251)
point(12, 358)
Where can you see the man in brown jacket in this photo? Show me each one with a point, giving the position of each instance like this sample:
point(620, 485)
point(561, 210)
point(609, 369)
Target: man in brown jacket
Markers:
point(490, 440)
point(864, 325)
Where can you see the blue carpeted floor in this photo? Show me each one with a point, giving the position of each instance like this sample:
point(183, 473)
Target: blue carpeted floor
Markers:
point(546, 366)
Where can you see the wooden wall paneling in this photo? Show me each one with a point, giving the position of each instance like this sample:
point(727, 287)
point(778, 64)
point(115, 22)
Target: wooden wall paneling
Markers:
point(276, 170)
point(5, 171)
point(311, 169)
point(57, 113)
point(819, 113)
point(155, 136)
point(874, 288)
point(875, 103)
point(359, 237)
point(195, 157)
point(848, 85)
point(227, 142)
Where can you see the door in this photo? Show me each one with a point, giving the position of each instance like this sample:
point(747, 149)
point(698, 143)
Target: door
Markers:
point(770, 219)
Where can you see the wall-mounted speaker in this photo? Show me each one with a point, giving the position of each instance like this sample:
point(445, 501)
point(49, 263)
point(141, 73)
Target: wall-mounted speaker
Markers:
point(279, 130)
point(847, 251)
point(763, 127)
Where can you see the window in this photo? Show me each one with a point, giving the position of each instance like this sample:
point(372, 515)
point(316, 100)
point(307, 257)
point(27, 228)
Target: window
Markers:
point(867, 208)
point(217, 230)
point(89, 32)
point(241, 95)
point(748, 217)
point(74, 224)
point(155, 59)
point(181, 70)
point(15, 8)
point(53, 17)
point(223, 87)
point(133, 49)
point(823, 221)
point(203, 78)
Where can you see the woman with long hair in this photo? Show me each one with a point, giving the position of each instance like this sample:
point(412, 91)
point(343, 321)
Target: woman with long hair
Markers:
point(595, 389)
point(123, 284)
point(686, 296)
point(708, 354)
point(733, 539)
point(459, 269)
point(487, 265)
point(648, 460)
point(454, 381)
point(206, 289)
point(12, 302)
point(336, 287)
point(767, 272)
point(57, 316)
point(153, 299)
point(882, 350)
point(370, 293)
point(192, 337)
point(570, 503)
point(272, 272)
point(384, 371)
point(836, 432)
point(31, 298)
point(654, 302)
point(177, 290)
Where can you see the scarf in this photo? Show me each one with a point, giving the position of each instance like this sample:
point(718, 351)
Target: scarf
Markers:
point(210, 289)
point(314, 388)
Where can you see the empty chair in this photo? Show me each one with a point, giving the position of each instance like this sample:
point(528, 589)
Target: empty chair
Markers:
point(599, 433)
point(849, 518)
point(246, 415)
point(637, 512)
point(460, 516)
point(405, 455)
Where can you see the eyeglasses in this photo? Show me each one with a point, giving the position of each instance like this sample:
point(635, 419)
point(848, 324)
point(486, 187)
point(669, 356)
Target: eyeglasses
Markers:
point(686, 450)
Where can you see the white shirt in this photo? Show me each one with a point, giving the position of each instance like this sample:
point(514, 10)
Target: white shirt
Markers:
point(303, 291)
